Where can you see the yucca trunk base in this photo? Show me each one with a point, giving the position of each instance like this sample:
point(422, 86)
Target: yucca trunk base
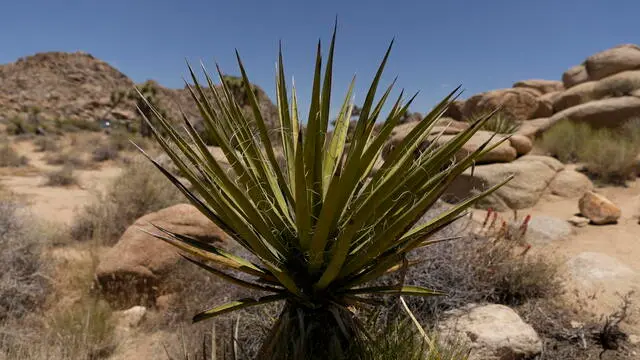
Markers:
point(304, 333)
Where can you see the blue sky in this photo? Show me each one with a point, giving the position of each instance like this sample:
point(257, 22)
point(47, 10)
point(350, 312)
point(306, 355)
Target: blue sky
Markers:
point(482, 45)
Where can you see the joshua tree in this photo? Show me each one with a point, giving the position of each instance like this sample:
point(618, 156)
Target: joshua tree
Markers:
point(147, 104)
point(144, 104)
point(323, 227)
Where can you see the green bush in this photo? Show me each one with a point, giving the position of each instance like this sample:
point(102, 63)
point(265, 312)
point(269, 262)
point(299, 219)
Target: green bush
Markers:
point(608, 154)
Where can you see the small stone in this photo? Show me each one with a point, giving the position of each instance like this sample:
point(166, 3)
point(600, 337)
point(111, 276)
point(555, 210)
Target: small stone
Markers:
point(634, 339)
point(132, 317)
point(599, 209)
point(578, 221)
point(576, 324)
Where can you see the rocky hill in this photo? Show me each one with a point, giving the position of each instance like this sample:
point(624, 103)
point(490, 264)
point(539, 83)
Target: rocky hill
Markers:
point(79, 86)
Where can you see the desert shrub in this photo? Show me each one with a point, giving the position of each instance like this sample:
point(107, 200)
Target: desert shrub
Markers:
point(45, 143)
point(70, 158)
point(23, 285)
point(74, 125)
point(104, 152)
point(571, 331)
point(139, 190)
point(62, 177)
point(10, 158)
point(609, 155)
point(19, 126)
point(121, 141)
point(565, 139)
point(492, 264)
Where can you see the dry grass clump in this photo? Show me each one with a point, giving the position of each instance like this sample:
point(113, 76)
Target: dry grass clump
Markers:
point(63, 158)
point(46, 144)
point(139, 190)
point(20, 126)
point(10, 158)
point(121, 140)
point(103, 152)
point(23, 284)
point(64, 176)
point(84, 331)
point(72, 324)
point(608, 155)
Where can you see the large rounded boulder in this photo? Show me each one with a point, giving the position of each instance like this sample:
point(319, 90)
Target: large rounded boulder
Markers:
point(603, 64)
point(519, 103)
point(612, 61)
point(611, 112)
point(505, 152)
point(625, 83)
point(532, 175)
point(136, 270)
point(541, 86)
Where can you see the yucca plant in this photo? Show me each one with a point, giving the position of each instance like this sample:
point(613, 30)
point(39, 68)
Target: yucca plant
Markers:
point(321, 228)
point(498, 123)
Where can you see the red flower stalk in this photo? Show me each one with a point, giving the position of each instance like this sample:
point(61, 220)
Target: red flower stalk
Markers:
point(525, 225)
point(493, 221)
point(486, 218)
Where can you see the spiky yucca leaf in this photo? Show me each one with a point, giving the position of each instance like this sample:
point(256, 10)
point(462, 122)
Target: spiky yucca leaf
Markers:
point(321, 226)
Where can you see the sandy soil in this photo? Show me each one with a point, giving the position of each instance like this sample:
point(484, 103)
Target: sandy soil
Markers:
point(56, 204)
